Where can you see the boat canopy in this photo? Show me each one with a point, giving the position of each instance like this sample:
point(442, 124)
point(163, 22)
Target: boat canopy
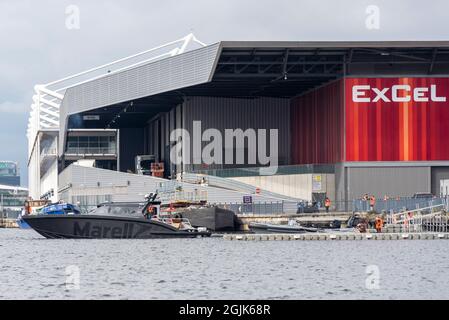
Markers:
point(120, 210)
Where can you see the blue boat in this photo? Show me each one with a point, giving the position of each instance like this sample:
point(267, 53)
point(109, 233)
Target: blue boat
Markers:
point(22, 224)
point(60, 208)
point(49, 209)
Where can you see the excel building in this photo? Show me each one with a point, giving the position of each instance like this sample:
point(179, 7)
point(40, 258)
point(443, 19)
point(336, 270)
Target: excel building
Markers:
point(351, 117)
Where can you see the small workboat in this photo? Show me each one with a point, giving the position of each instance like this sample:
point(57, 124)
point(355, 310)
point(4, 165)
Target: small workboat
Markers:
point(115, 221)
point(292, 227)
point(200, 214)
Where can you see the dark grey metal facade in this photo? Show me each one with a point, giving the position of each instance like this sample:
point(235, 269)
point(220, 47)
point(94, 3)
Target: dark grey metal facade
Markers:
point(439, 174)
point(390, 181)
point(228, 113)
point(220, 114)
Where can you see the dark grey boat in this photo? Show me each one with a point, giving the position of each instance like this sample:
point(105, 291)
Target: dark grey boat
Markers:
point(212, 218)
point(115, 221)
point(277, 228)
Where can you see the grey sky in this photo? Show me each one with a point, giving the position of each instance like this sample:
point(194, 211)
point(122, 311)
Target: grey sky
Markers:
point(36, 47)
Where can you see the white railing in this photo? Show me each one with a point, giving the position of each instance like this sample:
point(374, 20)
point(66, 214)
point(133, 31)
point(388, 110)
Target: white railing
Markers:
point(47, 99)
point(433, 219)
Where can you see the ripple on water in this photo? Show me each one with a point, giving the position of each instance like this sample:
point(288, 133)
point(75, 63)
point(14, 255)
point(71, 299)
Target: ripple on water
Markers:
point(33, 268)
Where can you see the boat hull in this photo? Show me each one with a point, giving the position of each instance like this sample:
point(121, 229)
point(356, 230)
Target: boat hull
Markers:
point(103, 227)
point(215, 219)
point(22, 224)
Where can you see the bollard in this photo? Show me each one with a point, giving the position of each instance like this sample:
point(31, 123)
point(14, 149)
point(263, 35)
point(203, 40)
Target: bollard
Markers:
point(441, 236)
point(369, 236)
point(333, 237)
point(239, 238)
point(279, 237)
point(405, 236)
point(308, 237)
point(297, 237)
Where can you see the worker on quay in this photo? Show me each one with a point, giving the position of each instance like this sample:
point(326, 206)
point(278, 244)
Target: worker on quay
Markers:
point(379, 224)
point(327, 204)
point(372, 203)
point(365, 200)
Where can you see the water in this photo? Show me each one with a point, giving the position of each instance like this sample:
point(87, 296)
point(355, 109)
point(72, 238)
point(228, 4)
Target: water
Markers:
point(35, 268)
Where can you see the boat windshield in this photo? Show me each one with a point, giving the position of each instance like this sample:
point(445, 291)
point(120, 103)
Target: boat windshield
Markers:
point(119, 210)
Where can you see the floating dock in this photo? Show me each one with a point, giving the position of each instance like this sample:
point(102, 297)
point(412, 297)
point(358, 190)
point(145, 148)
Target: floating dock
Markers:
point(336, 237)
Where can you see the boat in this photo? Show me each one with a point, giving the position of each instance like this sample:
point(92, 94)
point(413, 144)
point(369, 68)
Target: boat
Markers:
point(292, 227)
point(202, 215)
point(213, 218)
point(22, 224)
point(116, 221)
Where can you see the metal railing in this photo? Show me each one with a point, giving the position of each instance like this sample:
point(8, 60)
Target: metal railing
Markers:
point(258, 171)
point(435, 224)
point(91, 150)
point(396, 205)
point(428, 219)
point(9, 213)
point(192, 196)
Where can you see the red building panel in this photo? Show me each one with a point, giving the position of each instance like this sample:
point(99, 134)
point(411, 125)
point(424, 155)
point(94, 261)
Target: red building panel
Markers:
point(317, 120)
point(397, 119)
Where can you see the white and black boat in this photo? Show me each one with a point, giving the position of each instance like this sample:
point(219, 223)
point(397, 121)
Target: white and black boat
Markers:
point(116, 221)
point(292, 227)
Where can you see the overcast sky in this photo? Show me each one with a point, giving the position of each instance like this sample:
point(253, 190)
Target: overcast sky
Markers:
point(36, 47)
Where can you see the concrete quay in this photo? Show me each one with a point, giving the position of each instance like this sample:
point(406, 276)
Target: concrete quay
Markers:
point(8, 223)
point(336, 237)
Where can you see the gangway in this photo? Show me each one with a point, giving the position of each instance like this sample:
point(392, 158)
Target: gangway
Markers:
point(236, 186)
point(430, 219)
